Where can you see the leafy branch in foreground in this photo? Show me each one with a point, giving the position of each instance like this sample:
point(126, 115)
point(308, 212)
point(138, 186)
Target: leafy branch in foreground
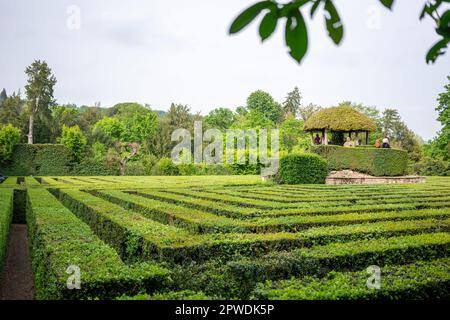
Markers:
point(296, 32)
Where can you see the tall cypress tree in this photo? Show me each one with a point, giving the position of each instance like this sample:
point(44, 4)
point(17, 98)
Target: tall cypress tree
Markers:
point(3, 96)
point(39, 91)
point(291, 105)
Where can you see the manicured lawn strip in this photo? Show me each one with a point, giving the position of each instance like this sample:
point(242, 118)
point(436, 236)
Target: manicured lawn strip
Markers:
point(6, 213)
point(195, 203)
point(293, 223)
point(421, 280)
point(348, 256)
point(59, 239)
point(168, 213)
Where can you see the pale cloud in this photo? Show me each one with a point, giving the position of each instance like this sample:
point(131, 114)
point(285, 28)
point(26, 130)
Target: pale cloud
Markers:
point(158, 52)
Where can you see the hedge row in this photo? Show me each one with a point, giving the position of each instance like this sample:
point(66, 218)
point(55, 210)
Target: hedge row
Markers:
point(274, 209)
point(171, 295)
point(348, 256)
point(293, 223)
point(302, 168)
point(6, 214)
point(285, 197)
point(275, 202)
point(168, 213)
point(38, 159)
point(212, 206)
point(421, 280)
point(137, 237)
point(373, 161)
point(58, 240)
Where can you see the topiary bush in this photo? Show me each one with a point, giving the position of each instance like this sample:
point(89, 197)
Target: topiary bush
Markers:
point(373, 161)
point(302, 168)
point(165, 167)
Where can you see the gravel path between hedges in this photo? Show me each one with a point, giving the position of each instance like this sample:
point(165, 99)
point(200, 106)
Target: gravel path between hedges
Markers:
point(17, 277)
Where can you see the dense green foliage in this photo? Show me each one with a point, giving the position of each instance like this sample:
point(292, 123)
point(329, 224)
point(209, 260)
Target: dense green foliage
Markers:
point(74, 139)
point(342, 118)
point(302, 168)
point(373, 161)
point(6, 214)
point(39, 92)
point(232, 237)
point(39, 159)
point(9, 137)
point(60, 240)
point(130, 138)
point(439, 147)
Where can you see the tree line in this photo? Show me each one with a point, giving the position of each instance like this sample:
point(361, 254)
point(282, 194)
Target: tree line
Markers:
point(134, 134)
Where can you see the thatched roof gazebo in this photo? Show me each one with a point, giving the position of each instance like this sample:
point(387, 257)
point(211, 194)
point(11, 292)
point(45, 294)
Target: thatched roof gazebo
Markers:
point(341, 120)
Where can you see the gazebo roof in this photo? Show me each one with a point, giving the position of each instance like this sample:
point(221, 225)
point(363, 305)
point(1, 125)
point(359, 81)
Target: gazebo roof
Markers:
point(343, 118)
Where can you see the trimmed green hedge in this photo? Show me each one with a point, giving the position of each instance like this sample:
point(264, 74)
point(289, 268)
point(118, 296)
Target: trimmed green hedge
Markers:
point(92, 167)
point(302, 168)
point(58, 239)
point(347, 256)
point(421, 280)
point(39, 160)
point(373, 161)
point(6, 213)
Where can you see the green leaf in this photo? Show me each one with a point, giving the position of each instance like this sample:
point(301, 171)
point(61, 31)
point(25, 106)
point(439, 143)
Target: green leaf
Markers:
point(387, 3)
point(333, 23)
point(249, 15)
point(444, 25)
point(268, 25)
point(437, 50)
point(314, 7)
point(296, 35)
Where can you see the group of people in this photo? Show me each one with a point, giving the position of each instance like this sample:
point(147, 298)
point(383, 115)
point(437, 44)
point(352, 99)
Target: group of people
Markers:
point(384, 145)
point(353, 143)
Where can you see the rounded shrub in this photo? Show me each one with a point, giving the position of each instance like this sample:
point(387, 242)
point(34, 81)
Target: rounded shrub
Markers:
point(302, 168)
point(165, 167)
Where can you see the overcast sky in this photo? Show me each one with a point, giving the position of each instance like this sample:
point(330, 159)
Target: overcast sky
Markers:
point(159, 51)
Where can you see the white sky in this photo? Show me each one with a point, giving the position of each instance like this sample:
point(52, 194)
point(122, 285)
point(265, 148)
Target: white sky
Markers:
point(158, 52)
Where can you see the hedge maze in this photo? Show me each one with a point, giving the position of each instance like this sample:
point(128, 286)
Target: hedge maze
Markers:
point(232, 237)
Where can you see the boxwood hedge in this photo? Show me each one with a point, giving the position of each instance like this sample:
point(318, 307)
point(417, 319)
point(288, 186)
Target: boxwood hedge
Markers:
point(302, 168)
point(421, 280)
point(58, 239)
point(6, 212)
point(38, 159)
point(373, 161)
